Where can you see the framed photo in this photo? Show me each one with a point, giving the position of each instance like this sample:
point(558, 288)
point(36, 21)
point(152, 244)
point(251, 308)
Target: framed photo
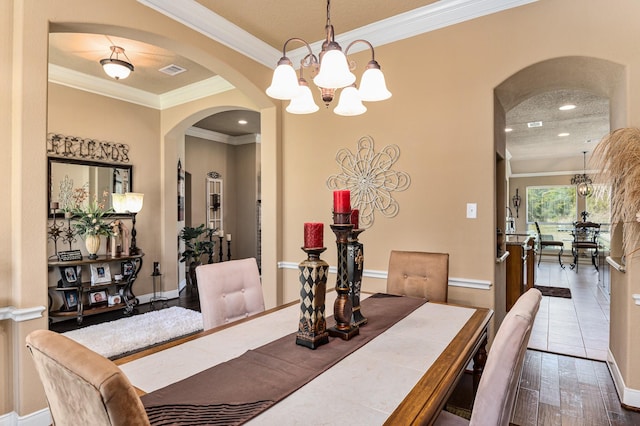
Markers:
point(70, 300)
point(127, 268)
point(114, 299)
point(71, 276)
point(100, 273)
point(98, 297)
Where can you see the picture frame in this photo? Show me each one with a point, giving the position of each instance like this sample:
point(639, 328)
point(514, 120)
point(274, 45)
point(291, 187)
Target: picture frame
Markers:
point(70, 299)
point(70, 276)
point(100, 273)
point(127, 269)
point(114, 299)
point(98, 297)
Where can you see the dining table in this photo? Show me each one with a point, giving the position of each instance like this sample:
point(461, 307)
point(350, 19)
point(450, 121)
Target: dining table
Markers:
point(400, 371)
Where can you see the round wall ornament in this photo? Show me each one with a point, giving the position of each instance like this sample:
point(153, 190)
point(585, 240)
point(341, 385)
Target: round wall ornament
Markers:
point(370, 178)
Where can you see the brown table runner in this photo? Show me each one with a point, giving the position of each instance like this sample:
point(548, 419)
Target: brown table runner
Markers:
point(237, 390)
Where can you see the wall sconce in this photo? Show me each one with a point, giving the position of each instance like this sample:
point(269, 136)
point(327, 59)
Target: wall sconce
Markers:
point(516, 200)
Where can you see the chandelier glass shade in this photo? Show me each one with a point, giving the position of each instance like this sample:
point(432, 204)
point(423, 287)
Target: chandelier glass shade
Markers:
point(333, 73)
point(582, 181)
point(115, 67)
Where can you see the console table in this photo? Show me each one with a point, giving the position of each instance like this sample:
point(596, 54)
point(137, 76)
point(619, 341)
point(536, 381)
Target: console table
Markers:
point(76, 295)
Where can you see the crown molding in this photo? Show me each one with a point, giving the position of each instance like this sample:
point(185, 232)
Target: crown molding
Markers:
point(414, 22)
point(100, 86)
point(203, 20)
point(210, 135)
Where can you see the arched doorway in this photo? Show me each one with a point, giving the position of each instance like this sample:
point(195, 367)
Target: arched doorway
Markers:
point(590, 77)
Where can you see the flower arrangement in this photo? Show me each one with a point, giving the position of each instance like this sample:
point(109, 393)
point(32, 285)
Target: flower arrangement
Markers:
point(90, 219)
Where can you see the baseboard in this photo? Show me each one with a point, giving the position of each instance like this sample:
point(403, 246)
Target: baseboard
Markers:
point(146, 298)
point(37, 418)
point(629, 397)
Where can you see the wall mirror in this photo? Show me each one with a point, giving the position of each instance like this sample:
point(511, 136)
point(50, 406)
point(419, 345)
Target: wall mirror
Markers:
point(67, 175)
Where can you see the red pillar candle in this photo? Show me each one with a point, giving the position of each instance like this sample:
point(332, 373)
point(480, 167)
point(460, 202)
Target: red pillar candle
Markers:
point(342, 201)
point(355, 216)
point(313, 234)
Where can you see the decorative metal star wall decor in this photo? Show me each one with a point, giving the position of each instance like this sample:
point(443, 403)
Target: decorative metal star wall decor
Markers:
point(369, 177)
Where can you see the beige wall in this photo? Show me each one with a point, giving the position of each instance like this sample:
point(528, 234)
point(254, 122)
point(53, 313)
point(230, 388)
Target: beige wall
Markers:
point(441, 116)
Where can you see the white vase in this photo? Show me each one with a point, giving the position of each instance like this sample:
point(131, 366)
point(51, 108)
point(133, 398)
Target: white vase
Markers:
point(92, 243)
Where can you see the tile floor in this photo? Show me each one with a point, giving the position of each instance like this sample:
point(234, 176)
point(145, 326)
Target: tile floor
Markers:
point(578, 326)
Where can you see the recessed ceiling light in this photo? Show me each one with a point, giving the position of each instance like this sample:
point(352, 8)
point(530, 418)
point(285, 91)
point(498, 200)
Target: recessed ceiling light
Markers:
point(508, 129)
point(567, 107)
point(243, 122)
point(563, 134)
point(534, 124)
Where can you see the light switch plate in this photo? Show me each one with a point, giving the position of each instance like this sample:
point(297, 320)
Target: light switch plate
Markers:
point(472, 210)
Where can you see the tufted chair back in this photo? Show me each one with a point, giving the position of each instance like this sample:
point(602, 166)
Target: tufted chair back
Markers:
point(83, 387)
point(419, 274)
point(229, 291)
point(498, 387)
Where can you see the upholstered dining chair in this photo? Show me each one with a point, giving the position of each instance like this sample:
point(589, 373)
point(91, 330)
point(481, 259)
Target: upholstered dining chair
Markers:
point(546, 241)
point(229, 291)
point(497, 390)
point(419, 274)
point(81, 386)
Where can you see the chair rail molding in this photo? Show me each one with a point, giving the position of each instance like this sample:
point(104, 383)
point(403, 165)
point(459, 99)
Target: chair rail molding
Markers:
point(371, 273)
point(22, 314)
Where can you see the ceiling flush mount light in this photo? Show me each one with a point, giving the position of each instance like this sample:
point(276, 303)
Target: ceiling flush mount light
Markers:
point(116, 67)
point(333, 73)
point(508, 129)
point(563, 134)
point(583, 181)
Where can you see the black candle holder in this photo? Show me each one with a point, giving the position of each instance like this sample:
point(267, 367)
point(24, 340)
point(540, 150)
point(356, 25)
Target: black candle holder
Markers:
point(343, 307)
point(228, 250)
point(220, 259)
point(355, 262)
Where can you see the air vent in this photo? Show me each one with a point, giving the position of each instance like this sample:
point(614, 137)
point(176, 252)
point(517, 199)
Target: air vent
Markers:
point(172, 69)
point(534, 124)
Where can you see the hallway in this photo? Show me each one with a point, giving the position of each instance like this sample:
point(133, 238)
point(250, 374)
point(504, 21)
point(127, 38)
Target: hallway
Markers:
point(578, 326)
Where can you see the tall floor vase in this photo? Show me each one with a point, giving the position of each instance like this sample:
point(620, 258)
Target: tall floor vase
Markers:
point(92, 243)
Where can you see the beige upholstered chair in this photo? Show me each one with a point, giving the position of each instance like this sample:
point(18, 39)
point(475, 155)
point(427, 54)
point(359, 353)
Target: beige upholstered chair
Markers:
point(419, 274)
point(83, 387)
point(498, 386)
point(229, 291)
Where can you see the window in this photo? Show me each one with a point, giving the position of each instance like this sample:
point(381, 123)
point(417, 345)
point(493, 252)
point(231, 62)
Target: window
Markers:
point(599, 205)
point(551, 204)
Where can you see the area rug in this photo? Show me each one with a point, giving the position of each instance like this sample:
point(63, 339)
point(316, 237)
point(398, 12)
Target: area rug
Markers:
point(126, 335)
point(554, 291)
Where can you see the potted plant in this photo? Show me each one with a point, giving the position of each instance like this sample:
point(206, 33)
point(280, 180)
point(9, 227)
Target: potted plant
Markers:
point(197, 243)
point(90, 222)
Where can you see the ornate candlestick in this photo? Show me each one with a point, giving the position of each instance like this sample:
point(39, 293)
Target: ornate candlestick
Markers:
point(55, 231)
point(312, 328)
point(342, 309)
point(355, 260)
point(228, 249)
point(211, 245)
point(220, 259)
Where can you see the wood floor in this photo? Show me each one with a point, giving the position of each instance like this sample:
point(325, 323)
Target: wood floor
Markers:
point(565, 390)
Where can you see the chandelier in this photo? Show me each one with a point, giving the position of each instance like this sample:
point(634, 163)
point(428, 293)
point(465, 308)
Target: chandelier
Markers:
point(333, 72)
point(583, 181)
point(116, 67)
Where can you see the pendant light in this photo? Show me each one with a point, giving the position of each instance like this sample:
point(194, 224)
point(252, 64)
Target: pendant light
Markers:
point(116, 67)
point(583, 181)
point(333, 73)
